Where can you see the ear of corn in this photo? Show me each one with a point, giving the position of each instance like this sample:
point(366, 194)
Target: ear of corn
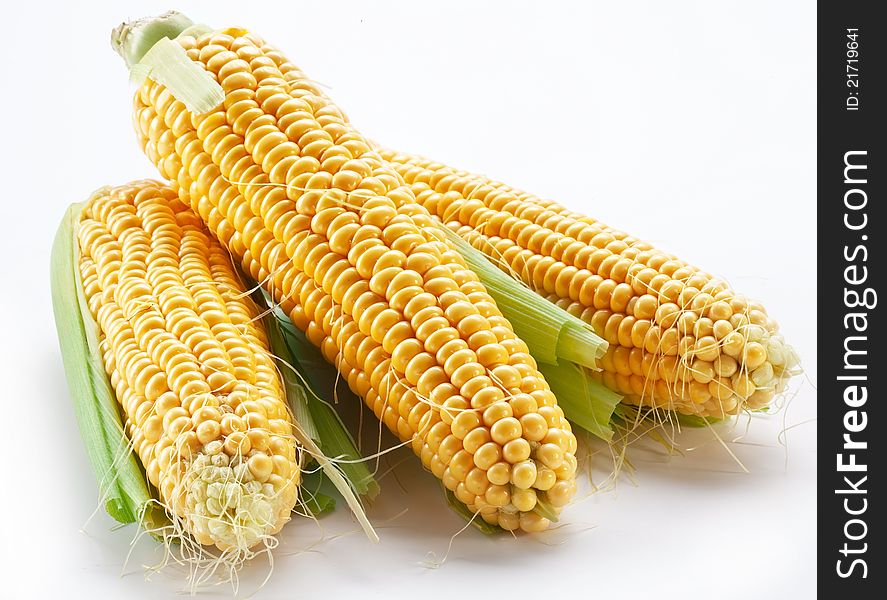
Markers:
point(190, 368)
point(299, 197)
point(679, 338)
point(122, 484)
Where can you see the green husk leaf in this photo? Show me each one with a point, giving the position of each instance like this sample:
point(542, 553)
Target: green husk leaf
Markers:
point(476, 521)
point(629, 415)
point(169, 65)
point(133, 39)
point(321, 378)
point(585, 402)
point(147, 48)
point(295, 390)
point(195, 30)
point(328, 432)
point(544, 509)
point(122, 482)
point(316, 494)
point(553, 334)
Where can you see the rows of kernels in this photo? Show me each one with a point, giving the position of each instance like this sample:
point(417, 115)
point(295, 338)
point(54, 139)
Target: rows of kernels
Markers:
point(679, 339)
point(310, 210)
point(189, 366)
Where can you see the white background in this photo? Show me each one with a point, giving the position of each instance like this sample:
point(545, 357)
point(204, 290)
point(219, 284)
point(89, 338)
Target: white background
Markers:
point(689, 124)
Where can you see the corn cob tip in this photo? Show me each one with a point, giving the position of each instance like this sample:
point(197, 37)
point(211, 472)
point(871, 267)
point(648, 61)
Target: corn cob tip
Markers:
point(231, 501)
point(190, 366)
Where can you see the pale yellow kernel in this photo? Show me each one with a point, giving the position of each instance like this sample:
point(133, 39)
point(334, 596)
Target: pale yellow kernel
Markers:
point(703, 327)
point(758, 317)
point(516, 450)
point(523, 404)
point(491, 516)
point(437, 467)
point(725, 366)
point(743, 385)
point(237, 444)
point(721, 329)
point(448, 480)
point(448, 448)
point(561, 493)
point(500, 473)
point(550, 455)
point(567, 470)
point(464, 495)
point(497, 495)
point(487, 396)
point(220, 382)
point(156, 386)
point(231, 423)
point(755, 355)
point(667, 314)
point(476, 438)
point(755, 333)
point(559, 437)
point(523, 499)
point(473, 386)
point(496, 412)
point(190, 439)
point(702, 371)
point(261, 466)
point(477, 482)
point(763, 375)
point(464, 423)
point(461, 464)
point(552, 415)
point(451, 408)
point(208, 431)
point(492, 355)
point(523, 474)
point(506, 376)
point(279, 426)
point(775, 352)
point(509, 521)
point(760, 399)
point(487, 455)
point(545, 478)
point(686, 323)
point(534, 427)
point(707, 348)
point(646, 306)
point(702, 303)
point(153, 428)
point(699, 392)
point(533, 523)
point(178, 426)
point(206, 413)
point(255, 420)
point(505, 430)
point(720, 310)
